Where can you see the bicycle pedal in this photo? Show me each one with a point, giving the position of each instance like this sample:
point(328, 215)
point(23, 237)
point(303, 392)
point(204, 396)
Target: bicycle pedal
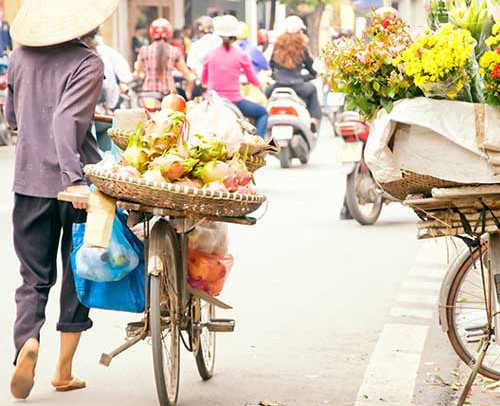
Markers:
point(220, 325)
point(475, 336)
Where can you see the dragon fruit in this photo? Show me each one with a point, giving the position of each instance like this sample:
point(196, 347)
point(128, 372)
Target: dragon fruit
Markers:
point(216, 186)
point(163, 129)
point(172, 166)
point(212, 171)
point(245, 190)
point(241, 172)
point(153, 175)
point(135, 155)
point(207, 148)
point(126, 171)
point(192, 183)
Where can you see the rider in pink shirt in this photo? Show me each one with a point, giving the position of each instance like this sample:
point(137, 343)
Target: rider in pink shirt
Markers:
point(222, 67)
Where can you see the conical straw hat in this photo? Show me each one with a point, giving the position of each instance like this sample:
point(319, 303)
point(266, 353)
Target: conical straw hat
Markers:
point(48, 22)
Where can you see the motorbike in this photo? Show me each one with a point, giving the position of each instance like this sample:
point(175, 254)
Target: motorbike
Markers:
point(7, 136)
point(333, 105)
point(363, 198)
point(290, 124)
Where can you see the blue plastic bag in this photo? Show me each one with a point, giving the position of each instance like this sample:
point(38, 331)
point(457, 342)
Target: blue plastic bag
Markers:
point(126, 294)
point(107, 264)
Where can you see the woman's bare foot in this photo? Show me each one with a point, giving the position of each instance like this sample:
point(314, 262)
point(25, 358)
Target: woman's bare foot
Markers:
point(23, 378)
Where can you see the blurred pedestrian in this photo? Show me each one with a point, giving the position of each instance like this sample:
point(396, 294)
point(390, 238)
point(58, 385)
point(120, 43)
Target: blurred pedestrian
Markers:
point(258, 59)
point(5, 39)
point(139, 40)
point(53, 121)
point(178, 41)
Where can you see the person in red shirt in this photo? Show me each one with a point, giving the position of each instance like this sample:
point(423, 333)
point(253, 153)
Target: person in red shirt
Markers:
point(222, 67)
point(158, 60)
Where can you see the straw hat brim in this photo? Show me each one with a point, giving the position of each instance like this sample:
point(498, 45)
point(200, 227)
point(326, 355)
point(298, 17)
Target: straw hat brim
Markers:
point(40, 23)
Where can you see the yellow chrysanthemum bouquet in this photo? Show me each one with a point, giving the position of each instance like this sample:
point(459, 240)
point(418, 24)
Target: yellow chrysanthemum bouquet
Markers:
point(442, 64)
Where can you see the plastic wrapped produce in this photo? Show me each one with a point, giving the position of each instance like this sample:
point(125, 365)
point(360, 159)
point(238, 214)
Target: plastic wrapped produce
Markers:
point(210, 238)
point(107, 264)
point(208, 272)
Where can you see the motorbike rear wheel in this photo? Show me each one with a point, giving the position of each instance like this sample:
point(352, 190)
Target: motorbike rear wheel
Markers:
point(285, 157)
point(362, 198)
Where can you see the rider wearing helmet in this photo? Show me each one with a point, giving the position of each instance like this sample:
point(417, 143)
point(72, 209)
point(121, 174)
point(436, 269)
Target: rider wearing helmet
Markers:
point(258, 59)
point(290, 56)
point(262, 39)
point(158, 60)
point(206, 41)
point(222, 67)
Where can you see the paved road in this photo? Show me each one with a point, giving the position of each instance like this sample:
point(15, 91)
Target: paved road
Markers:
point(316, 301)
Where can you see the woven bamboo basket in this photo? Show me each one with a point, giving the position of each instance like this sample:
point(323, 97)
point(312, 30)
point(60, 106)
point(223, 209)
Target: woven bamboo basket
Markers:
point(254, 162)
point(120, 137)
point(167, 195)
point(415, 184)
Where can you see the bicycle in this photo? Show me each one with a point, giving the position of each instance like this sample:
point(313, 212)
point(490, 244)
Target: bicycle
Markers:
point(469, 302)
point(172, 306)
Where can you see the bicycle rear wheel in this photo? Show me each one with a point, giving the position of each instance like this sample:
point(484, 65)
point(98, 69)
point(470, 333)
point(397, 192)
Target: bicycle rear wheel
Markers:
point(163, 262)
point(205, 354)
point(466, 314)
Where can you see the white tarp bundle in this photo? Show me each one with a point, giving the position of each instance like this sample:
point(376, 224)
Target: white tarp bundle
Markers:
point(449, 140)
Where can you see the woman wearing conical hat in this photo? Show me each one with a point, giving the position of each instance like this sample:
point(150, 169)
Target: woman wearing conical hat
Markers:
point(54, 83)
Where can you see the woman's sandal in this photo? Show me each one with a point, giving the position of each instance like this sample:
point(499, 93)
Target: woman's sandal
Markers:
point(74, 384)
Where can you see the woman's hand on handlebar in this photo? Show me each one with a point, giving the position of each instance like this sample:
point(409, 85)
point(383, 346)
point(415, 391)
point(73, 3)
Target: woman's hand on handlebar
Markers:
point(81, 190)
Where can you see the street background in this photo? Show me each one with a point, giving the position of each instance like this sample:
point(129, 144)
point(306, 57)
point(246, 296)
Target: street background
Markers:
point(327, 312)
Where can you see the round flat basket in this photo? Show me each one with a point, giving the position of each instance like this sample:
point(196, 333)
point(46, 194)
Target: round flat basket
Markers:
point(120, 137)
point(413, 183)
point(167, 195)
point(254, 162)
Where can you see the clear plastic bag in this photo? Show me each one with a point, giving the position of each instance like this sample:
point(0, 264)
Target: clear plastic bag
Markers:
point(465, 85)
point(213, 117)
point(107, 264)
point(210, 238)
point(208, 272)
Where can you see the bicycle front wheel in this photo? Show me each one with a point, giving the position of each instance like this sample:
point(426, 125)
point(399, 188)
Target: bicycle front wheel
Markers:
point(163, 262)
point(467, 315)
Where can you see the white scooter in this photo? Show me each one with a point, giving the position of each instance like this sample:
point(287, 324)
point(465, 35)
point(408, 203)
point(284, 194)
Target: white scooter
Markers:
point(290, 125)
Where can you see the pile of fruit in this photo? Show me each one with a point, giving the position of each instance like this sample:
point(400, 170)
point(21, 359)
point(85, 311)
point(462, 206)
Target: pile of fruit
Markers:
point(168, 149)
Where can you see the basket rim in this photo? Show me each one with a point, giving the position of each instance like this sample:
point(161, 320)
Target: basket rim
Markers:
point(120, 133)
point(170, 187)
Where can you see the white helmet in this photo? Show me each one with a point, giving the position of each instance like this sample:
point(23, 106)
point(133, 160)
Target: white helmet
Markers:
point(226, 26)
point(293, 24)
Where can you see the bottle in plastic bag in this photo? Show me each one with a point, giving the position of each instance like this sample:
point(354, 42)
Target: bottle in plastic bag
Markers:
point(107, 264)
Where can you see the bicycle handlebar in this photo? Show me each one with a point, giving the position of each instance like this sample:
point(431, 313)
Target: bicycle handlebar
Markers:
point(103, 118)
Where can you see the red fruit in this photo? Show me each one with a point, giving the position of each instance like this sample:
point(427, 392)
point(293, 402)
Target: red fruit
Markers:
point(174, 102)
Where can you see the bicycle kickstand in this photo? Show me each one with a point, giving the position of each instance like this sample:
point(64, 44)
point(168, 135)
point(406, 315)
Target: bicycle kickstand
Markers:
point(482, 353)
